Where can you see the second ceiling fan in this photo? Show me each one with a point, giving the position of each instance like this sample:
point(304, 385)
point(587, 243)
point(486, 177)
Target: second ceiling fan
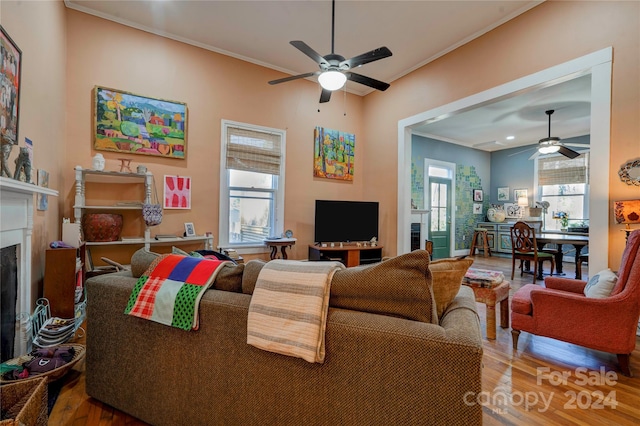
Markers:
point(552, 144)
point(335, 69)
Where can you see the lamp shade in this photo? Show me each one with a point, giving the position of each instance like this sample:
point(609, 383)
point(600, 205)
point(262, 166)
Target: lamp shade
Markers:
point(523, 201)
point(332, 80)
point(627, 211)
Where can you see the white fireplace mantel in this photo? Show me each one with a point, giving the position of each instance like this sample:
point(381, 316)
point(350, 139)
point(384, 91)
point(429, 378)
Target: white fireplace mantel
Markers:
point(16, 227)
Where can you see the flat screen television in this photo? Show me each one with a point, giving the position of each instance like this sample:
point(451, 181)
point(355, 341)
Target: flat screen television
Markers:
point(345, 221)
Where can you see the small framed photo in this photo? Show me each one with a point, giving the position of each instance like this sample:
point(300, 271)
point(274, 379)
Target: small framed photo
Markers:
point(477, 208)
point(503, 193)
point(477, 195)
point(189, 229)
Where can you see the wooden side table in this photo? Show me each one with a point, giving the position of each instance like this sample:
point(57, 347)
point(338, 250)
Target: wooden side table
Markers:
point(490, 297)
point(283, 243)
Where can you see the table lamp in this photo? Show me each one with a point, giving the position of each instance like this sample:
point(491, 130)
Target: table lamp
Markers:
point(523, 202)
point(627, 212)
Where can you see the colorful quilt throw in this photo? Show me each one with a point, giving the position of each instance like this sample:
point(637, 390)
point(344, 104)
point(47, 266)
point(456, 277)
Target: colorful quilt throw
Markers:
point(169, 292)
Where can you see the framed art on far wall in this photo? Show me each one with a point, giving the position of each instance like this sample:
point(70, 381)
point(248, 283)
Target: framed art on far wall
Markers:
point(477, 195)
point(10, 83)
point(136, 124)
point(503, 193)
point(519, 193)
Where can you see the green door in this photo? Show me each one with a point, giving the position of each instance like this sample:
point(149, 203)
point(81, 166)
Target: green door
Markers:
point(440, 222)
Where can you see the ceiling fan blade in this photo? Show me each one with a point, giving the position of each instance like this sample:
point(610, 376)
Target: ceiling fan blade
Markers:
point(294, 77)
point(577, 145)
point(568, 152)
point(520, 152)
point(325, 96)
point(365, 58)
point(367, 81)
point(304, 48)
point(535, 155)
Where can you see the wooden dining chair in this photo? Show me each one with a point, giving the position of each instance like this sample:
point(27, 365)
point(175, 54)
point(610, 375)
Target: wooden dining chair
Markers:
point(524, 247)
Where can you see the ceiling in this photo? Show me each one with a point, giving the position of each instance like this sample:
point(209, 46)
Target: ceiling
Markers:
point(417, 32)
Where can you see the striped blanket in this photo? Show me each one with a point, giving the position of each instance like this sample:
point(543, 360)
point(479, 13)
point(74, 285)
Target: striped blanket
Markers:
point(169, 292)
point(288, 309)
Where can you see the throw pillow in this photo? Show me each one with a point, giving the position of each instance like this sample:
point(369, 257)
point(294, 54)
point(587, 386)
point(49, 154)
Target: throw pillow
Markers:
point(601, 284)
point(141, 260)
point(447, 278)
point(400, 287)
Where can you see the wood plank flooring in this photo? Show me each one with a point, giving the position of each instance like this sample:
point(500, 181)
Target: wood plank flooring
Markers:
point(525, 387)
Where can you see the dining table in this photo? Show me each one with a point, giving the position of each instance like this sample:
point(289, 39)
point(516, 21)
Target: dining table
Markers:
point(578, 241)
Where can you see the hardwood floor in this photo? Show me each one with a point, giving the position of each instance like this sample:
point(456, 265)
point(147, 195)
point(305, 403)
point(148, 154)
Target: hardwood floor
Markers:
point(519, 388)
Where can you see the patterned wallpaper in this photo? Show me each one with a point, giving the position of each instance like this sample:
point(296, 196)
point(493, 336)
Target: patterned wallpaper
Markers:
point(466, 181)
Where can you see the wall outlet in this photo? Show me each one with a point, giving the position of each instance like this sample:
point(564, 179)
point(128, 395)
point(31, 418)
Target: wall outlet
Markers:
point(464, 238)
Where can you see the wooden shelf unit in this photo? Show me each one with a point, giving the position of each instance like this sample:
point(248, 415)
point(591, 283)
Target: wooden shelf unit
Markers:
point(350, 255)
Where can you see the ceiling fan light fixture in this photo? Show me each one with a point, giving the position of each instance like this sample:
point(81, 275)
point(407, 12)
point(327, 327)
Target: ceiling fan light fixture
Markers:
point(332, 80)
point(549, 149)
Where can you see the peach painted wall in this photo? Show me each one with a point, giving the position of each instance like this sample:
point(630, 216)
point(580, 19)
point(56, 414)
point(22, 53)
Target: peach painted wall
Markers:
point(215, 87)
point(38, 28)
point(551, 33)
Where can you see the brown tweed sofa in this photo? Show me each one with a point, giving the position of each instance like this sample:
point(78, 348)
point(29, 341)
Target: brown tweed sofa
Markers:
point(379, 369)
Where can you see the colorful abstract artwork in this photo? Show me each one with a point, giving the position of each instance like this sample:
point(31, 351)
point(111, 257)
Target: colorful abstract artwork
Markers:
point(333, 154)
point(177, 192)
point(124, 122)
point(10, 68)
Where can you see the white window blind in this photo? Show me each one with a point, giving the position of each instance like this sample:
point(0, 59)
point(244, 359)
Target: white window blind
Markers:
point(253, 151)
point(563, 170)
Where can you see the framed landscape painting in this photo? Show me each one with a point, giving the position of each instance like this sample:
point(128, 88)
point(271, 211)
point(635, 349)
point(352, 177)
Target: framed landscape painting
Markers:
point(333, 154)
point(10, 70)
point(135, 124)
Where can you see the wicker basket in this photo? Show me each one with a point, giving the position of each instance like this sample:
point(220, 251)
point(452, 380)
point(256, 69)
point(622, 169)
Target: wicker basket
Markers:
point(50, 376)
point(25, 403)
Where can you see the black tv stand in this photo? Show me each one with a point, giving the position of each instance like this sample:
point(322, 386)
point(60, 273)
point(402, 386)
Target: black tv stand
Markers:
point(350, 254)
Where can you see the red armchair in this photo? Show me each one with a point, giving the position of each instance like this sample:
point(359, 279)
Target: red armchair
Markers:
point(561, 310)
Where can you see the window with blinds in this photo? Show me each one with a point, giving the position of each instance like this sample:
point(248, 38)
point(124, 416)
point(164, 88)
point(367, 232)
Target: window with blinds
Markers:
point(252, 184)
point(564, 184)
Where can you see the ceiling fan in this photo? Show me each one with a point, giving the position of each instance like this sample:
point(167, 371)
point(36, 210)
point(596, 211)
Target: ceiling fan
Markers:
point(552, 144)
point(335, 69)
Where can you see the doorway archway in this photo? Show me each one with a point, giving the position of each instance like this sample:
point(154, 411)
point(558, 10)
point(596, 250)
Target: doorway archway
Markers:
point(598, 64)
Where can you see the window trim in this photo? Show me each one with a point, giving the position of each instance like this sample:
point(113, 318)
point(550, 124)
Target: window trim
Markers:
point(279, 193)
point(537, 195)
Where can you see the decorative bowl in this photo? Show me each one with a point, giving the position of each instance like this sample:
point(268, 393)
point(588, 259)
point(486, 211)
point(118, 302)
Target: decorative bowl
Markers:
point(496, 215)
point(101, 227)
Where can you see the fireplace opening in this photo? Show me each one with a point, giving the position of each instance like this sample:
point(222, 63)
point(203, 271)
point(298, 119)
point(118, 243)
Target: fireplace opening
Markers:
point(8, 299)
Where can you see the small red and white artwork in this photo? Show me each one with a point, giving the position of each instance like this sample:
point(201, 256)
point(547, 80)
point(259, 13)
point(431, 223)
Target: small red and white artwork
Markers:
point(177, 192)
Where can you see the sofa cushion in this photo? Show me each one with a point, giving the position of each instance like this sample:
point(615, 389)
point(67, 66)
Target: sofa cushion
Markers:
point(400, 287)
point(447, 278)
point(601, 284)
point(229, 278)
point(141, 260)
point(251, 271)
